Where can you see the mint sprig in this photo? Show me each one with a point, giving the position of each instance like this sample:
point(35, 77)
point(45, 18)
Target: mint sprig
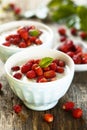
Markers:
point(45, 62)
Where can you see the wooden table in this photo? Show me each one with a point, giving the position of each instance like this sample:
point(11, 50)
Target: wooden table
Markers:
point(33, 120)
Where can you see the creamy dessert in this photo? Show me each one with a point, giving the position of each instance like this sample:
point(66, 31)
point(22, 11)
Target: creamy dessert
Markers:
point(46, 69)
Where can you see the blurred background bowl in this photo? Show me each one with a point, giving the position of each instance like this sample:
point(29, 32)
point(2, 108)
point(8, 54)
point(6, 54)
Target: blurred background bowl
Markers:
point(10, 28)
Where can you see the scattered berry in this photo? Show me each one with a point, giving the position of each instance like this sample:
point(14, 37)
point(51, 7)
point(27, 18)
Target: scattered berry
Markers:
point(48, 117)
point(17, 108)
point(68, 106)
point(77, 113)
point(62, 31)
point(73, 31)
point(83, 35)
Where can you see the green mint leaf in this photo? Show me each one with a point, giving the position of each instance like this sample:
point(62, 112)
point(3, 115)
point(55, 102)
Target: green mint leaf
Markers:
point(45, 62)
point(34, 32)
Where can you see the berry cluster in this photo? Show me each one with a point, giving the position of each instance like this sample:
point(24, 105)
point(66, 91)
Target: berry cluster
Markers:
point(76, 112)
point(24, 37)
point(73, 31)
point(39, 70)
point(74, 51)
point(70, 48)
point(14, 8)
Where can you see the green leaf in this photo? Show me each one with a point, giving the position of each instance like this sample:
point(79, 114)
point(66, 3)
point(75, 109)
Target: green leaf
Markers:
point(45, 62)
point(63, 11)
point(34, 32)
point(82, 14)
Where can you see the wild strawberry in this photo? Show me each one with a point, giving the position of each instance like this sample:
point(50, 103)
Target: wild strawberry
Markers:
point(62, 31)
point(62, 39)
point(26, 67)
point(12, 5)
point(7, 43)
point(23, 33)
point(63, 48)
point(41, 79)
point(59, 69)
point(78, 49)
point(70, 53)
point(31, 74)
point(17, 108)
point(77, 113)
point(56, 61)
point(17, 10)
point(15, 68)
point(53, 66)
point(48, 117)
point(83, 35)
point(22, 45)
point(61, 63)
point(39, 71)
point(0, 86)
point(38, 42)
point(84, 58)
point(32, 39)
point(77, 59)
point(46, 68)
point(17, 75)
point(28, 42)
point(49, 74)
point(73, 31)
point(68, 106)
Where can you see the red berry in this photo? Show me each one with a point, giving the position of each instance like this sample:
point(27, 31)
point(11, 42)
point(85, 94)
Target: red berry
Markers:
point(31, 74)
point(32, 39)
point(46, 68)
point(68, 106)
point(49, 74)
point(39, 71)
point(84, 58)
point(70, 53)
point(0, 86)
point(28, 42)
point(17, 75)
point(77, 59)
point(61, 63)
point(22, 45)
point(77, 113)
point(15, 68)
point(62, 39)
point(62, 31)
point(38, 41)
point(53, 66)
point(73, 31)
point(41, 79)
point(83, 35)
point(17, 10)
point(12, 5)
point(23, 33)
point(26, 67)
point(48, 117)
point(59, 69)
point(7, 43)
point(17, 108)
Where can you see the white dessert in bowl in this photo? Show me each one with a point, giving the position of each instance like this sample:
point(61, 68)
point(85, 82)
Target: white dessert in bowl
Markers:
point(42, 95)
point(11, 28)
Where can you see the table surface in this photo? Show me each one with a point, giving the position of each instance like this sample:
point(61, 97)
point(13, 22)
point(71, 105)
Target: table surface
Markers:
point(33, 120)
